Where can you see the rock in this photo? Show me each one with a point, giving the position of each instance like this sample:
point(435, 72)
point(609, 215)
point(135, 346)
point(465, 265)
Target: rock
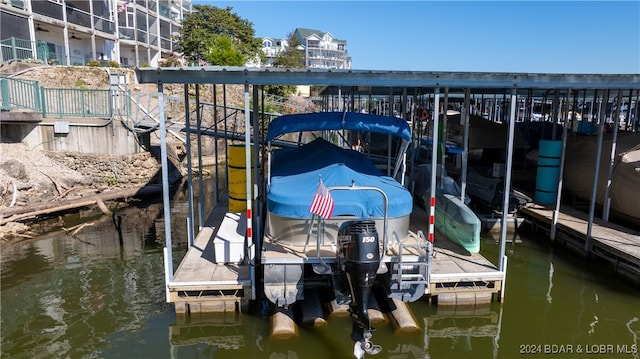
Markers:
point(15, 169)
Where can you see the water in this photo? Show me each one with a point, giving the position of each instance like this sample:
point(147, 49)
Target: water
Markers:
point(99, 294)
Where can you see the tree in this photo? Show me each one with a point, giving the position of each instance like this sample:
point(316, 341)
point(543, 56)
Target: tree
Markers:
point(209, 27)
point(290, 57)
point(224, 53)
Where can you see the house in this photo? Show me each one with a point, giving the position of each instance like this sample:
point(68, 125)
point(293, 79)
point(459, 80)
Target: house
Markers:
point(319, 49)
point(74, 32)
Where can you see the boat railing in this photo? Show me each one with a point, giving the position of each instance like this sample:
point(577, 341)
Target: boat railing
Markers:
point(320, 232)
point(411, 279)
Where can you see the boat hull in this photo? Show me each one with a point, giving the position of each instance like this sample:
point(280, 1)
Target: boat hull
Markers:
point(457, 222)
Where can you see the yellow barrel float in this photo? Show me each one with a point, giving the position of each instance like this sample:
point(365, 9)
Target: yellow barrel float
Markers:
point(237, 180)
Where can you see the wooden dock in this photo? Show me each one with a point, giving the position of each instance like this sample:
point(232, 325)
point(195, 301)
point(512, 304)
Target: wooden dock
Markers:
point(492, 222)
point(459, 278)
point(616, 244)
point(200, 285)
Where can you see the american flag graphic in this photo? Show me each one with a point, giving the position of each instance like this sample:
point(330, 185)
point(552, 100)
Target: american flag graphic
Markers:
point(322, 204)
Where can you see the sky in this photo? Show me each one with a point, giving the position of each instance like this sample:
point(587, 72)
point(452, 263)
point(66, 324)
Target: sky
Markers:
point(568, 37)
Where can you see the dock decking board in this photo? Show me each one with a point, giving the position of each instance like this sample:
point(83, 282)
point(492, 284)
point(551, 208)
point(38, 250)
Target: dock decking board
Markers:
point(615, 243)
point(199, 283)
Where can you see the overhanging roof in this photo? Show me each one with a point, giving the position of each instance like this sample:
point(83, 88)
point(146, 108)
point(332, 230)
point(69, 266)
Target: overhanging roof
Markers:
point(379, 82)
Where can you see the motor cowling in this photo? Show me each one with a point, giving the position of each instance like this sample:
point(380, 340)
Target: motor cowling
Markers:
point(358, 242)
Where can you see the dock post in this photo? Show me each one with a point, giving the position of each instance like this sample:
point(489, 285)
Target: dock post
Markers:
point(594, 189)
point(168, 260)
point(554, 219)
point(507, 178)
point(199, 144)
point(187, 120)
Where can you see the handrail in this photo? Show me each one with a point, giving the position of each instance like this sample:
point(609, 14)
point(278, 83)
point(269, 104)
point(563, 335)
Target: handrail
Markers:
point(353, 187)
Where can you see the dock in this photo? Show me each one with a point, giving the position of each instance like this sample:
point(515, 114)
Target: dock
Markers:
point(459, 278)
point(200, 285)
point(616, 244)
point(445, 275)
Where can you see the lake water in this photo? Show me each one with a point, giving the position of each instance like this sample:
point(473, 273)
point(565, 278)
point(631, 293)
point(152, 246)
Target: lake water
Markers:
point(99, 294)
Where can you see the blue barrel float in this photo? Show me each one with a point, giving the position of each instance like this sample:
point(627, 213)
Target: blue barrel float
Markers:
point(548, 171)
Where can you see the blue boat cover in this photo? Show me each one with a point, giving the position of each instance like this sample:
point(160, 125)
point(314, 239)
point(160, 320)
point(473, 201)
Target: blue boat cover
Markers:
point(355, 121)
point(296, 173)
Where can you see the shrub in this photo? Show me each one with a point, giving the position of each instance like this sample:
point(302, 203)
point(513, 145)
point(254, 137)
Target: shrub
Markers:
point(170, 62)
point(93, 63)
point(113, 64)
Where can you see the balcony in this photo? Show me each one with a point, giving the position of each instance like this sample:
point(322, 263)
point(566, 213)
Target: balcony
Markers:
point(78, 17)
point(47, 8)
point(15, 3)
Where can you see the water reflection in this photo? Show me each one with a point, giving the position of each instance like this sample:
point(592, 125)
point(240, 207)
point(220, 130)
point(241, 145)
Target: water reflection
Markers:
point(99, 293)
point(63, 295)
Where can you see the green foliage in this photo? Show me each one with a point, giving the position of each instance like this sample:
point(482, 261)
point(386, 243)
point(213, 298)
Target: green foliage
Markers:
point(81, 84)
point(224, 53)
point(205, 29)
point(291, 57)
point(280, 90)
point(113, 64)
point(93, 63)
point(144, 65)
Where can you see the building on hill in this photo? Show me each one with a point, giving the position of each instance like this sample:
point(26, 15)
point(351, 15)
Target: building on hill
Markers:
point(320, 50)
point(74, 32)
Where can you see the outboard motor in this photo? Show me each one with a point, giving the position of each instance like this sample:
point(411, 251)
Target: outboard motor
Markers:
point(359, 258)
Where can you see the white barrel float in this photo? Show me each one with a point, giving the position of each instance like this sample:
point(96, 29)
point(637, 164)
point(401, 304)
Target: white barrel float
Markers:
point(548, 173)
point(237, 180)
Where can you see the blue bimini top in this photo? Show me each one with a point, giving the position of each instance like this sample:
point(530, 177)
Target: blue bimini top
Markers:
point(354, 121)
point(296, 173)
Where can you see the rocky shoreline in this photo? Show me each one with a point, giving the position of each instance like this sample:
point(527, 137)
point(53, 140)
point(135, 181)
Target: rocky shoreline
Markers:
point(32, 181)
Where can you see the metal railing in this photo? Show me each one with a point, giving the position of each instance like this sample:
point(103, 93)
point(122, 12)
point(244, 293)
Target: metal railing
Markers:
point(19, 49)
point(63, 102)
point(19, 93)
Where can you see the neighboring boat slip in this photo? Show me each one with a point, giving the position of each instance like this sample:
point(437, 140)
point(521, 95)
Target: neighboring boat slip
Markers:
point(616, 244)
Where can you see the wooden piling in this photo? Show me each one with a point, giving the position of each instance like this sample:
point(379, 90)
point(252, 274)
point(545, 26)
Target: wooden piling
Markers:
point(282, 326)
point(403, 319)
point(312, 309)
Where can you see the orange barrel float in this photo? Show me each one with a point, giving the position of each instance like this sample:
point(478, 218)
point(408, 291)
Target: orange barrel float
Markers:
point(548, 173)
point(237, 180)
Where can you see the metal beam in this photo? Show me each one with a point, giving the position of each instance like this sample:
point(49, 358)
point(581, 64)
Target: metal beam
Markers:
point(353, 78)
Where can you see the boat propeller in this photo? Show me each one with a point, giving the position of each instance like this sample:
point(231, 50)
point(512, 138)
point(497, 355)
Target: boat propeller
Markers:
point(365, 346)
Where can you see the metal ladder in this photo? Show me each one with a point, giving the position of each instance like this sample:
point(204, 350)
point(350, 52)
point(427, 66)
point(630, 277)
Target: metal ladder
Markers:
point(409, 280)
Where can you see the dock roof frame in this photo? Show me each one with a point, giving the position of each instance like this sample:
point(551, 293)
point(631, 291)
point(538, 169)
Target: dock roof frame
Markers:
point(378, 82)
